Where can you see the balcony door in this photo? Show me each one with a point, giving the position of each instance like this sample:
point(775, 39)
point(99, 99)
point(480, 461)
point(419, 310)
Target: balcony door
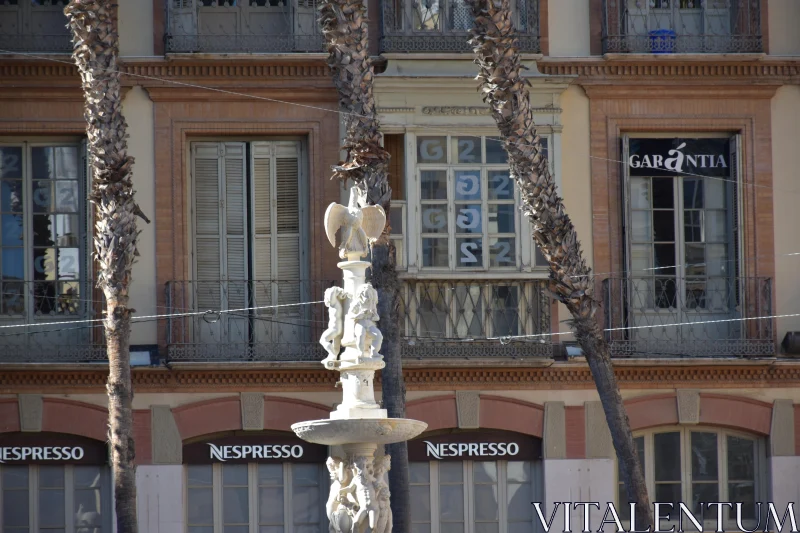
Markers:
point(682, 241)
point(248, 250)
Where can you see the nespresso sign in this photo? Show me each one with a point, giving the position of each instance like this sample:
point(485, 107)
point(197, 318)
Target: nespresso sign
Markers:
point(254, 449)
point(667, 157)
point(489, 446)
point(51, 449)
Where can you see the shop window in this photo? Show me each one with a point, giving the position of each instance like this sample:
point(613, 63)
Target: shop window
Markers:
point(473, 496)
point(701, 465)
point(43, 230)
point(256, 498)
point(56, 499)
point(469, 216)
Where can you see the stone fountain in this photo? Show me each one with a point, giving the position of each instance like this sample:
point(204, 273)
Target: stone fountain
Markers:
point(359, 497)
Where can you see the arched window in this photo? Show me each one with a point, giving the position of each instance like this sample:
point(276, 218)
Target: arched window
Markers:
point(696, 465)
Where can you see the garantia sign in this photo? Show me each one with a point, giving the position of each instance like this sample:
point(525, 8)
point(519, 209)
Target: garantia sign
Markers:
point(669, 157)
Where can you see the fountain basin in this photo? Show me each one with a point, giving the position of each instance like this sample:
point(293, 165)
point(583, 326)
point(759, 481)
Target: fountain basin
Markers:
point(358, 430)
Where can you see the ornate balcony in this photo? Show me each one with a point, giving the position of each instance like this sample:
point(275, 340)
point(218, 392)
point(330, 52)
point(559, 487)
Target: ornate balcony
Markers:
point(441, 319)
point(443, 25)
point(682, 26)
point(34, 306)
point(243, 26)
point(709, 311)
point(34, 26)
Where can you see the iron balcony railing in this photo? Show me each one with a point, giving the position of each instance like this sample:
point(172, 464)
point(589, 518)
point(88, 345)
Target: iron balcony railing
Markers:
point(246, 26)
point(682, 26)
point(34, 26)
point(440, 319)
point(443, 25)
point(684, 316)
point(34, 306)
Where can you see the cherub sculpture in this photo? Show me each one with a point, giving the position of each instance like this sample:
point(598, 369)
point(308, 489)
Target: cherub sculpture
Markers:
point(362, 317)
point(361, 490)
point(331, 338)
point(358, 227)
point(338, 509)
point(382, 466)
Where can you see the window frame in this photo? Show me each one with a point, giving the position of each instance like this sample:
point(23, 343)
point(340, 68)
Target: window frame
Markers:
point(84, 215)
point(525, 252)
point(69, 497)
point(760, 467)
point(468, 483)
point(253, 500)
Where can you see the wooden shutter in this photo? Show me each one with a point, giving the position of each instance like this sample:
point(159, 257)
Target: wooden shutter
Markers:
point(735, 215)
point(262, 168)
point(287, 220)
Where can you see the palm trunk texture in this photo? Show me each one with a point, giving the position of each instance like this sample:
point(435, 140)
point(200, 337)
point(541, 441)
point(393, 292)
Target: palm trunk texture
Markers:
point(344, 25)
point(571, 282)
point(96, 49)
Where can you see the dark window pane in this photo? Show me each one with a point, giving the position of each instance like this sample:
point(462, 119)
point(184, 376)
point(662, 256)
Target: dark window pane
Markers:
point(13, 265)
point(10, 194)
point(693, 226)
point(42, 196)
point(469, 253)
point(744, 492)
point(669, 493)
point(664, 259)
point(466, 149)
point(51, 508)
point(468, 219)
point(703, 493)
point(199, 475)
point(433, 184)
point(693, 193)
point(15, 508)
point(11, 231)
point(51, 477)
point(11, 162)
point(667, 451)
point(431, 150)
point(468, 184)
point(663, 197)
point(663, 226)
point(704, 457)
point(502, 218)
point(15, 477)
point(741, 459)
point(434, 253)
point(495, 153)
point(666, 292)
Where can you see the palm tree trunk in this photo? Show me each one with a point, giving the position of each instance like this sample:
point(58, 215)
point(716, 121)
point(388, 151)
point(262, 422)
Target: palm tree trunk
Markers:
point(504, 90)
point(344, 25)
point(96, 49)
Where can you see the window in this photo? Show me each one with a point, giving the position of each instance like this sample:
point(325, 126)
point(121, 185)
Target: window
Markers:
point(395, 145)
point(468, 204)
point(55, 499)
point(701, 465)
point(43, 237)
point(473, 497)
point(256, 498)
point(249, 250)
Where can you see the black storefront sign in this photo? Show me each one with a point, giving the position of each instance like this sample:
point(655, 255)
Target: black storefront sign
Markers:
point(476, 445)
point(43, 448)
point(668, 157)
point(241, 449)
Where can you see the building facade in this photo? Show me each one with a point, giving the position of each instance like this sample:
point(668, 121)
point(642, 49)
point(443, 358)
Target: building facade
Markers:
point(671, 128)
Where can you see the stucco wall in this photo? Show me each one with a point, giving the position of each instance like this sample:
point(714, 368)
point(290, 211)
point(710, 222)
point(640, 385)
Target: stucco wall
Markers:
point(568, 28)
point(784, 20)
point(136, 28)
point(576, 182)
point(786, 187)
point(138, 111)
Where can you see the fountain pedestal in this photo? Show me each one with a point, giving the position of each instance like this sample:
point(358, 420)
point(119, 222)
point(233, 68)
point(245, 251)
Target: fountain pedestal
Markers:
point(359, 497)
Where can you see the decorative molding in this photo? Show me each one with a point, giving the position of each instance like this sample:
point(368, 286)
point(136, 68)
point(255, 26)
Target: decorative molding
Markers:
point(252, 405)
point(455, 110)
point(555, 431)
point(688, 406)
point(745, 90)
point(396, 109)
point(166, 439)
point(598, 436)
point(31, 411)
point(781, 435)
point(647, 69)
point(468, 406)
point(471, 376)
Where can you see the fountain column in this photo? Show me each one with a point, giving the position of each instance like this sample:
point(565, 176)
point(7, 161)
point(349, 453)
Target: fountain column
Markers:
point(359, 498)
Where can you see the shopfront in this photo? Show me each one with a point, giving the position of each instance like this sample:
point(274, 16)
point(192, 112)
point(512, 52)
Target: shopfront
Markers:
point(474, 482)
point(255, 483)
point(55, 482)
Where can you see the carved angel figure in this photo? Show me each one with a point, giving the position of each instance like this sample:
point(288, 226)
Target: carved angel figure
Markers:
point(363, 315)
point(337, 508)
point(331, 338)
point(382, 466)
point(362, 490)
point(358, 226)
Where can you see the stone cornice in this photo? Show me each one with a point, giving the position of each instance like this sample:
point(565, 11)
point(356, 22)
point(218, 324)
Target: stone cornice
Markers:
point(648, 69)
point(625, 91)
point(633, 374)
